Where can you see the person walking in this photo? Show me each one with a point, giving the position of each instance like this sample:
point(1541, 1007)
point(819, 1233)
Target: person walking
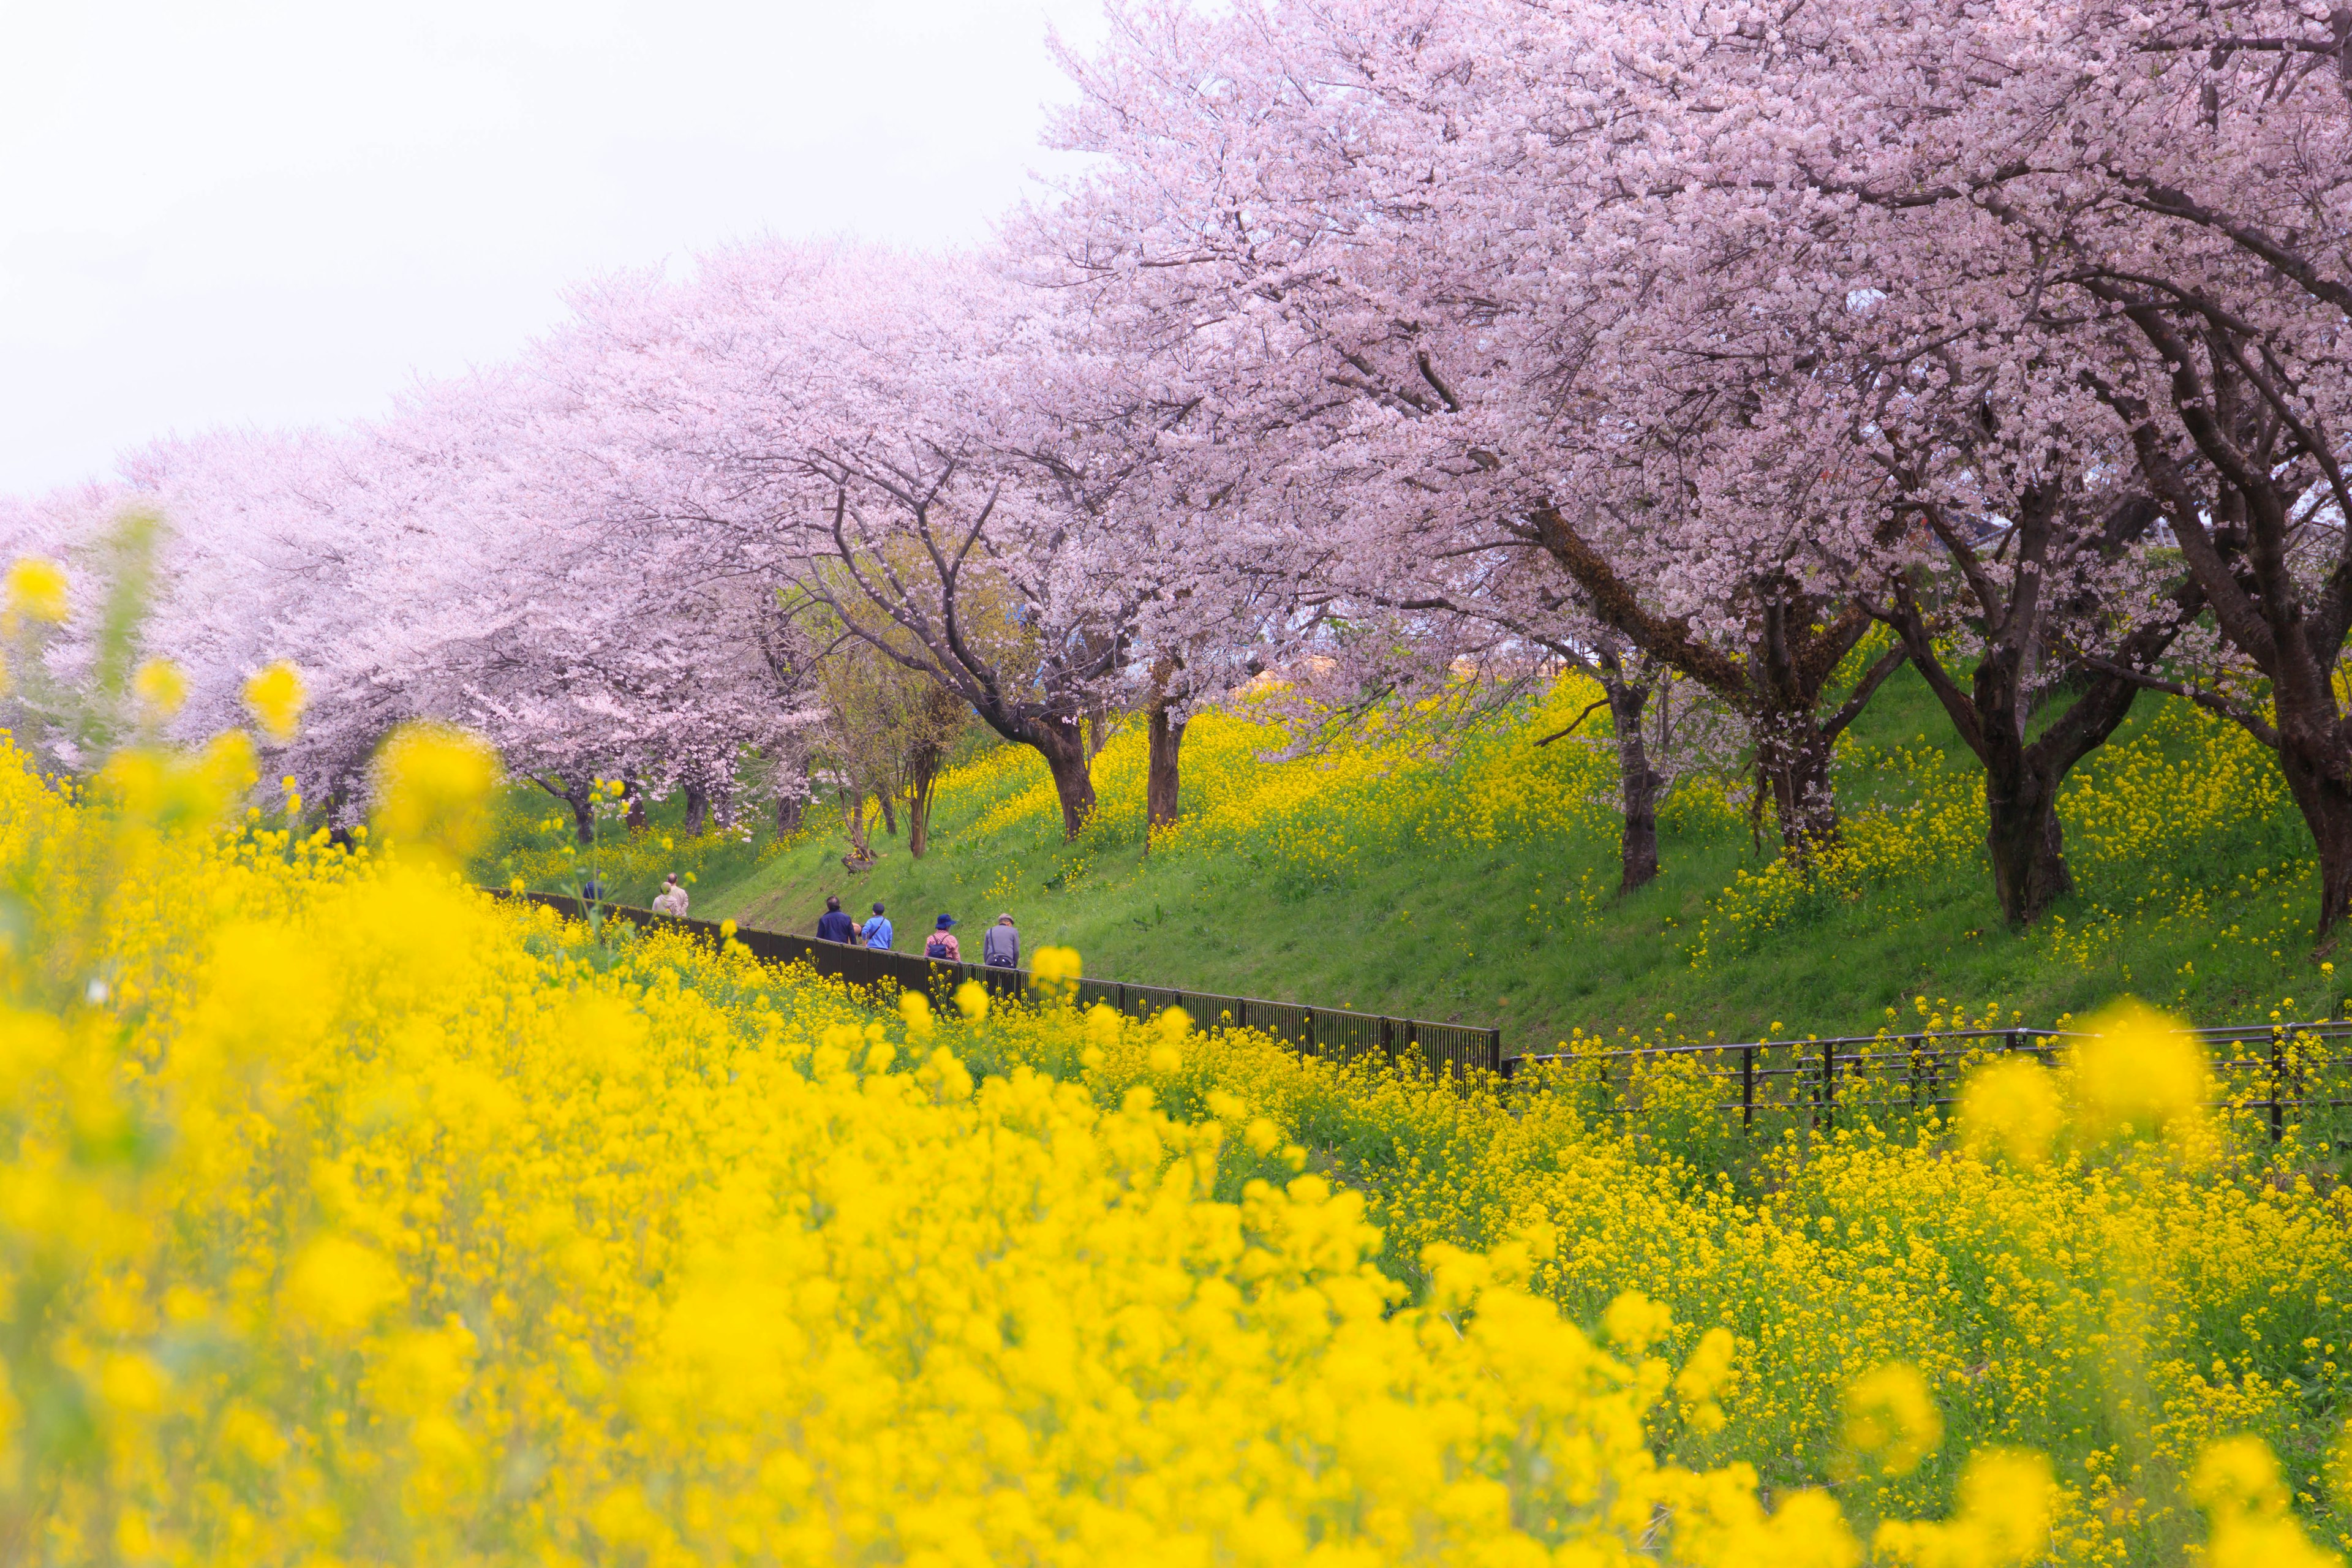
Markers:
point(672, 899)
point(1000, 948)
point(877, 932)
point(943, 945)
point(835, 925)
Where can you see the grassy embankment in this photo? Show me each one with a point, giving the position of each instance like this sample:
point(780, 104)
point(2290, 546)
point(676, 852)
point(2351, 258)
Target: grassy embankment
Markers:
point(1481, 886)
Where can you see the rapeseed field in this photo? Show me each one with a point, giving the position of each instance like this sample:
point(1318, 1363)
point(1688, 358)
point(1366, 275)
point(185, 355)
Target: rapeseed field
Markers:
point(351, 1217)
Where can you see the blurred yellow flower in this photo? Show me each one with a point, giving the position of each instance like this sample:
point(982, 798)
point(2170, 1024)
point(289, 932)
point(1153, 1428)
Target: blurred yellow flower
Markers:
point(161, 686)
point(1709, 1368)
point(1891, 1417)
point(276, 698)
point(2003, 1519)
point(2238, 1484)
point(915, 1008)
point(971, 999)
point(2012, 1106)
point(338, 1286)
point(2239, 1475)
point(434, 784)
point(2138, 1070)
point(1633, 1322)
point(37, 589)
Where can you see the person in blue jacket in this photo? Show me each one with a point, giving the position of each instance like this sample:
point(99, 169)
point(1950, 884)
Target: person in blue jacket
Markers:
point(877, 932)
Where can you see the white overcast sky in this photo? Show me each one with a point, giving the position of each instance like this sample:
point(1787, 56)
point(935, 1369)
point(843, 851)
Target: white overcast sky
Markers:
point(230, 212)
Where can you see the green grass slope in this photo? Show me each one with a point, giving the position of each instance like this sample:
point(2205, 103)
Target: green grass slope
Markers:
point(1477, 884)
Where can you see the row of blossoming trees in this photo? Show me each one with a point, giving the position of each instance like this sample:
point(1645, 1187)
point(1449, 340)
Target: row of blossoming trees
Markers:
point(1688, 340)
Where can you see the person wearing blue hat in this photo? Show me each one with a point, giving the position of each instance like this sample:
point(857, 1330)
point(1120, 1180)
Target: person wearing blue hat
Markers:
point(943, 945)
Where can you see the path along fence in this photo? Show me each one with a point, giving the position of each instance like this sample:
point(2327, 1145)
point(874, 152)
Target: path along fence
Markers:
point(1333, 1033)
point(2280, 1073)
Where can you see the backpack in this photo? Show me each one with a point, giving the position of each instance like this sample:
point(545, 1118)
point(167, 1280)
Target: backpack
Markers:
point(937, 948)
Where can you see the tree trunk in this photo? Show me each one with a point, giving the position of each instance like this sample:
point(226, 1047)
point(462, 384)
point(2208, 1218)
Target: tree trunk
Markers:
point(853, 816)
point(1637, 781)
point(1795, 646)
point(789, 808)
point(922, 779)
point(581, 798)
point(1162, 780)
point(1793, 759)
point(2322, 793)
point(2024, 838)
point(637, 817)
point(698, 810)
point(2309, 734)
point(889, 813)
point(1065, 760)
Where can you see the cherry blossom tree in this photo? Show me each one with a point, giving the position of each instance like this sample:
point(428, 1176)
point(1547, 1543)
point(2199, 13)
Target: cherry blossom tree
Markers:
point(865, 431)
point(2146, 203)
point(1327, 208)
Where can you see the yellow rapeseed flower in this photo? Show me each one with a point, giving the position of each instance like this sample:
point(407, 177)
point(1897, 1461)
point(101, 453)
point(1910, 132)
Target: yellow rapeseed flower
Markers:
point(434, 784)
point(1891, 1417)
point(1633, 1322)
point(276, 698)
point(2003, 1519)
point(2138, 1071)
point(2012, 1106)
point(915, 1008)
point(339, 1286)
point(971, 999)
point(37, 589)
point(162, 688)
point(2238, 1484)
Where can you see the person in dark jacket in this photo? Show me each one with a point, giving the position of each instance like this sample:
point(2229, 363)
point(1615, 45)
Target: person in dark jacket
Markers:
point(834, 925)
point(1000, 948)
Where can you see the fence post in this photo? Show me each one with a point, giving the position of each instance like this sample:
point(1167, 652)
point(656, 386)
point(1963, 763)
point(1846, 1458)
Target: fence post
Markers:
point(1241, 1011)
point(1827, 1114)
point(1747, 1087)
point(1494, 1050)
point(2278, 1082)
point(1307, 1032)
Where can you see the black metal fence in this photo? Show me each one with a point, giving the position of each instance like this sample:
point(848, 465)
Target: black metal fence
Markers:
point(2279, 1073)
point(1328, 1032)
